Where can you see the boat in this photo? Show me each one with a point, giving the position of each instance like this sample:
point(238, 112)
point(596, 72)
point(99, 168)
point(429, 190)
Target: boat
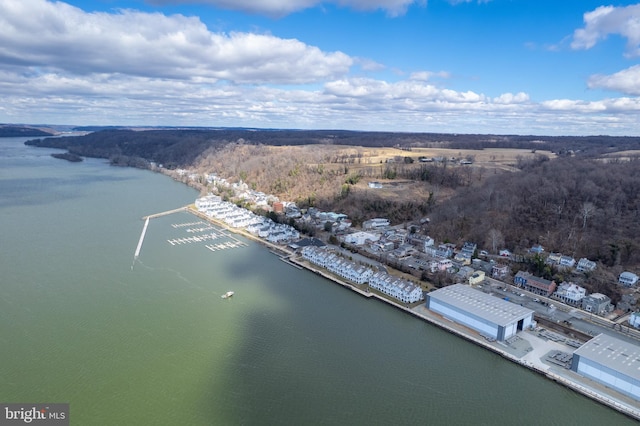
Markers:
point(227, 295)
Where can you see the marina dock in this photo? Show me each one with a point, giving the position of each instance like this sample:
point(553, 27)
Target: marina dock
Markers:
point(168, 212)
point(144, 232)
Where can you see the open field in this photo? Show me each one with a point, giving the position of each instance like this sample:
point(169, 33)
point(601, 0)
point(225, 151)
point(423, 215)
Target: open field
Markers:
point(500, 158)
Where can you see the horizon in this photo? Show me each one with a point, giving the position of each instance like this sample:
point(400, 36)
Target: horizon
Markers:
point(141, 127)
point(492, 67)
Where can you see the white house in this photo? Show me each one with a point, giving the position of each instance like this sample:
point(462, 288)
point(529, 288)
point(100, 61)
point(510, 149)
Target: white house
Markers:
point(634, 319)
point(397, 288)
point(567, 261)
point(585, 265)
point(628, 279)
point(570, 293)
point(360, 238)
point(375, 223)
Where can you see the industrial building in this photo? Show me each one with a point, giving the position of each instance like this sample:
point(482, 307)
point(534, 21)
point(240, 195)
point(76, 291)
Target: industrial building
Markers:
point(610, 361)
point(490, 316)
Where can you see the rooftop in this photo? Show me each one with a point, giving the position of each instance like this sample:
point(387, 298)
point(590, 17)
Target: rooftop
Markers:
point(614, 353)
point(481, 304)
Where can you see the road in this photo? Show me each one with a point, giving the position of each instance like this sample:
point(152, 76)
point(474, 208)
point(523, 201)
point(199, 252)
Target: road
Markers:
point(553, 310)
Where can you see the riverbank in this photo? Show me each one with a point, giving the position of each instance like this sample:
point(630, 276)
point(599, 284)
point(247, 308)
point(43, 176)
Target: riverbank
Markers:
point(532, 358)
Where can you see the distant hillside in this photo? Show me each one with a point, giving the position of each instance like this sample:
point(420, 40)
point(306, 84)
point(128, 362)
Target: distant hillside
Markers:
point(18, 131)
point(180, 147)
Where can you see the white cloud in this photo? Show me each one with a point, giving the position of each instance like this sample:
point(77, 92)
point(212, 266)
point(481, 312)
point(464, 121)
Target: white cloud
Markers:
point(606, 20)
point(285, 7)
point(64, 65)
point(63, 37)
point(368, 64)
point(510, 98)
point(428, 75)
point(626, 81)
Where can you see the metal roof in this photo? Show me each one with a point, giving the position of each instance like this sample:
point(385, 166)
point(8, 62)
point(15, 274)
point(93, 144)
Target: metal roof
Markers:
point(480, 304)
point(614, 353)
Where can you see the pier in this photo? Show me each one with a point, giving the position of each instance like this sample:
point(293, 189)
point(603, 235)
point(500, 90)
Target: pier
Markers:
point(144, 231)
point(168, 212)
point(146, 224)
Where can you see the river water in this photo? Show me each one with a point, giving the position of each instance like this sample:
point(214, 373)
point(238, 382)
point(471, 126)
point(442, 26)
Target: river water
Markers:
point(151, 342)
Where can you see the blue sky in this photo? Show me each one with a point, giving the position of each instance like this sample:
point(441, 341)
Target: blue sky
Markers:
point(489, 66)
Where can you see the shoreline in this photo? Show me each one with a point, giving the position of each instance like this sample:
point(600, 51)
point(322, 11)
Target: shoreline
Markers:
point(578, 384)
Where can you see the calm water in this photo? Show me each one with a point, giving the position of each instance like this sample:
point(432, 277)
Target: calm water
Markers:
point(155, 344)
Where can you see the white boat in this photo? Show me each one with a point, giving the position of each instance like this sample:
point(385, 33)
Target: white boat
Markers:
point(227, 295)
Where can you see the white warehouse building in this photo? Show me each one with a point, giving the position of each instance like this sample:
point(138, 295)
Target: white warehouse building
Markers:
point(488, 315)
point(610, 361)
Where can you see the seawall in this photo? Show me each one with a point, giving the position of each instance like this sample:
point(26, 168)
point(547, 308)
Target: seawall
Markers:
point(433, 319)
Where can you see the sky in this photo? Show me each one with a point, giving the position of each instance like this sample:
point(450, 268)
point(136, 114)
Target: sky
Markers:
point(533, 67)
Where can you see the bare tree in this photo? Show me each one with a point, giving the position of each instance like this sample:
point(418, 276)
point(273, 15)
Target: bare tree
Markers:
point(586, 211)
point(495, 239)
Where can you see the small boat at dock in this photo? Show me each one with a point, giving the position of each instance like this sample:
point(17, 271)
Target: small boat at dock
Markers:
point(227, 295)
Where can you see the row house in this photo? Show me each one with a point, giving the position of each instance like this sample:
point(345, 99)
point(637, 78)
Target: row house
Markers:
point(207, 202)
point(570, 293)
point(238, 217)
point(534, 284)
point(318, 256)
point(338, 265)
point(397, 288)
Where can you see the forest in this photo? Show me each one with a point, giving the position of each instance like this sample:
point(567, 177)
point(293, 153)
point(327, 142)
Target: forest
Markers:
point(9, 131)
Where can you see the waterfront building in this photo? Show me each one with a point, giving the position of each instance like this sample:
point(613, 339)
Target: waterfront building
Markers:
point(400, 289)
point(490, 316)
point(610, 361)
point(205, 203)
